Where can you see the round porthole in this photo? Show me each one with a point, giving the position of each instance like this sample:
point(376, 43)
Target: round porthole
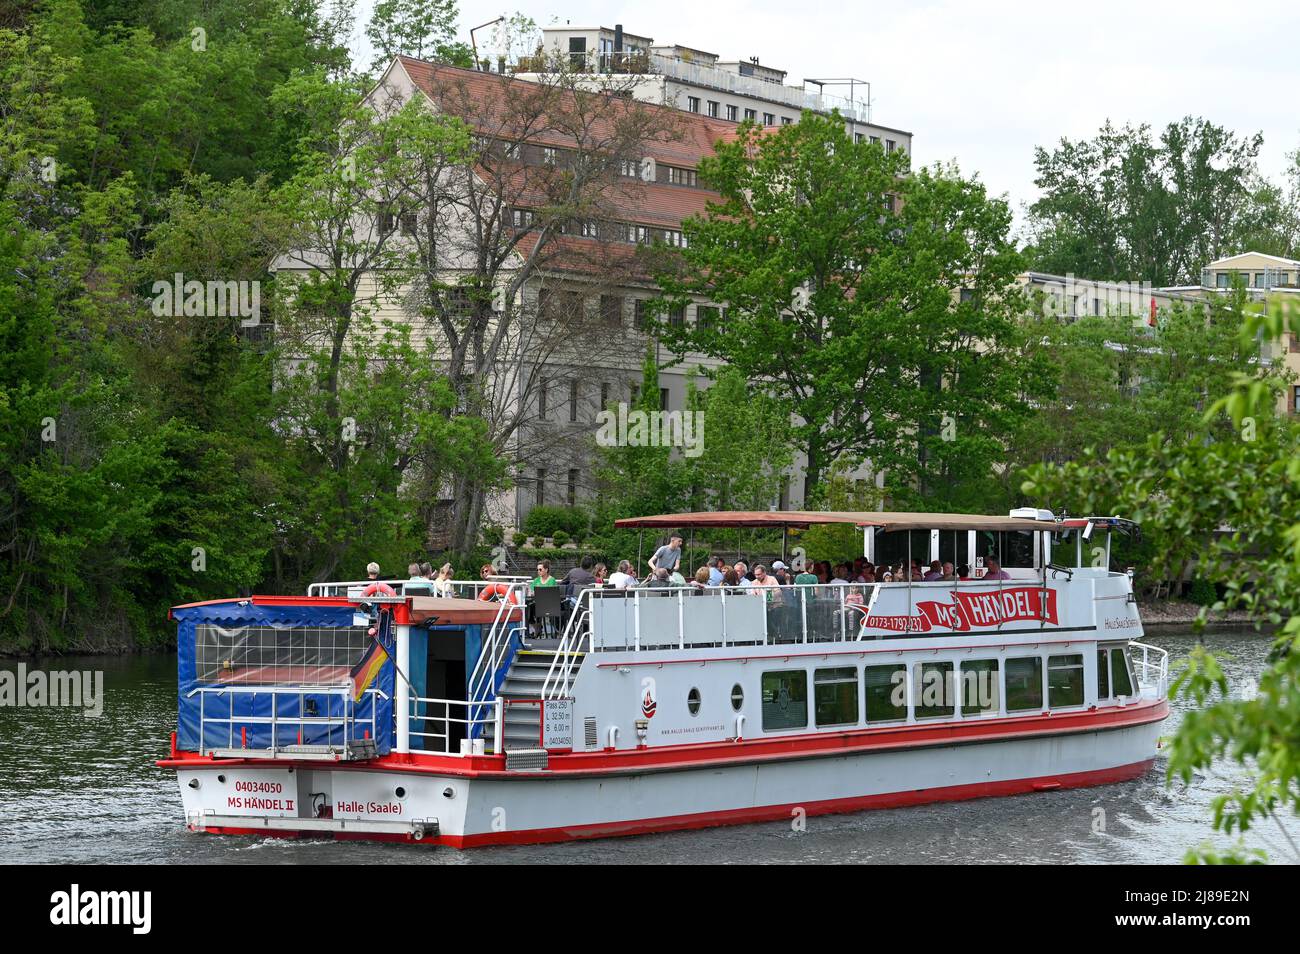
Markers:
point(737, 697)
point(693, 701)
point(400, 792)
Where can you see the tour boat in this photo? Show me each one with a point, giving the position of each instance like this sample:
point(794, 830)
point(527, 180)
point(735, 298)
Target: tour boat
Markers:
point(362, 711)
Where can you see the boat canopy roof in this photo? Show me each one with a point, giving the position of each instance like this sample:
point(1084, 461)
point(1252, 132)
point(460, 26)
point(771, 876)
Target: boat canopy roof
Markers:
point(862, 518)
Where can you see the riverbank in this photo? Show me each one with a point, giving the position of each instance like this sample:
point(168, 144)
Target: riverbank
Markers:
point(1184, 613)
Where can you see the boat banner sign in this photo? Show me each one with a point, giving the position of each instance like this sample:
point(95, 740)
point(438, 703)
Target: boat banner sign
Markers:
point(972, 611)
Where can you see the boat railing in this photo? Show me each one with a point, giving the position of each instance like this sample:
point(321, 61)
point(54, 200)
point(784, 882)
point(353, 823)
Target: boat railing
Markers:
point(496, 644)
point(464, 589)
point(433, 721)
point(1151, 669)
point(559, 676)
point(338, 733)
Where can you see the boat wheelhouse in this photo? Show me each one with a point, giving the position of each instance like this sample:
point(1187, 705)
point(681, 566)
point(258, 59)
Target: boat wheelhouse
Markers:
point(354, 713)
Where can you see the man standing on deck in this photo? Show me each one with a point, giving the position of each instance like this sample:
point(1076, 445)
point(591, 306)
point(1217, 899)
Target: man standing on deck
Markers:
point(669, 556)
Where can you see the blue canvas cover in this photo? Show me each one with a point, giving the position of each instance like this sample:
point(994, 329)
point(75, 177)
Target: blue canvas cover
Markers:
point(237, 651)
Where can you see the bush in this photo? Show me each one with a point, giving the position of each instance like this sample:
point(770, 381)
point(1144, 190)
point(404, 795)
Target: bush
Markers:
point(560, 538)
point(519, 538)
point(543, 521)
point(1202, 593)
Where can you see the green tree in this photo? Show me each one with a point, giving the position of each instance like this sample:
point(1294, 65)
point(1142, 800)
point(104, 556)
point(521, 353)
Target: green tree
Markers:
point(424, 29)
point(879, 306)
point(1128, 205)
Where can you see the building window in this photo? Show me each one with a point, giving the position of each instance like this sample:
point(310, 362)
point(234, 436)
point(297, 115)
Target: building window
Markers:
point(932, 690)
point(835, 696)
point(713, 108)
point(1024, 684)
point(875, 140)
point(386, 221)
point(677, 316)
point(629, 168)
point(675, 175)
point(663, 399)
point(889, 145)
point(769, 119)
point(573, 487)
point(706, 317)
point(540, 490)
point(1065, 680)
point(611, 310)
point(522, 218)
point(979, 686)
point(1222, 279)
point(1259, 280)
point(692, 104)
point(639, 314)
point(1295, 400)
point(733, 113)
point(886, 693)
point(785, 699)
point(859, 137)
point(573, 400)
point(751, 114)
point(541, 398)
point(406, 223)
point(786, 121)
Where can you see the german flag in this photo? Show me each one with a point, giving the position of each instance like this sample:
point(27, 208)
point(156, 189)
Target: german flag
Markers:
point(365, 671)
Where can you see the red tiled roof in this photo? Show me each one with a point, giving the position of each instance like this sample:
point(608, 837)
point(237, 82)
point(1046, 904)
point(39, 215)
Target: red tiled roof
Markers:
point(691, 136)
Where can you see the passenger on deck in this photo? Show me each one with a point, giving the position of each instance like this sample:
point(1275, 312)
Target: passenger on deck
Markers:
point(701, 581)
point(658, 580)
point(543, 577)
point(763, 582)
point(622, 578)
point(375, 587)
point(600, 572)
point(580, 576)
point(742, 573)
point(841, 574)
point(416, 584)
point(717, 570)
point(934, 573)
point(731, 578)
point(994, 570)
point(668, 556)
point(854, 596)
point(781, 573)
point(495, 589)
point(805, 577)
point(868, 574)
point(963, 572)
point(948, 572)
point(442, 582)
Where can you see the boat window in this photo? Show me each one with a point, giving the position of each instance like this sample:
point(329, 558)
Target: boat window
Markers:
point(932, 690)
point(1065, 680)
point(1121, 675)
point(1012, 548)
point(275, 655)
point(886, 694)
point(785, 699)
point(1113, 676)
point(693, 701)
point(737, 697)
point(979, 686)
point(835, 696)
point(954, 547)
point(1024, 683)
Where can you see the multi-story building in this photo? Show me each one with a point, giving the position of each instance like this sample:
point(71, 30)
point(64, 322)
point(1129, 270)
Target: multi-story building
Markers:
point(697, 81)
point(1263, 277)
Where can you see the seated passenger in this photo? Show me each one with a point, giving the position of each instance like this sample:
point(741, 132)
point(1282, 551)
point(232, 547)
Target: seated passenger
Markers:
point(375, 587)
point(622, 578)
point(416, 584)
point(761, 579)
point(742, 573)
point(495, 589)
point(580, 576)
point(701, 581)
point(442, 582)
point(994, 570)
point(659, 580)
point(949, 573)
point(543, 577)
point(717, 570)
point(963, 572)
point(934, 573)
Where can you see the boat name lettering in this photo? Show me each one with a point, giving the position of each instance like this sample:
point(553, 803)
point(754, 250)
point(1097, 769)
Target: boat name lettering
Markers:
point(369, 808)
point(260, 804)
point(973, 610)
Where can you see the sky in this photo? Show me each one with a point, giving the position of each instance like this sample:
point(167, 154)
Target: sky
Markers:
point(983, 83)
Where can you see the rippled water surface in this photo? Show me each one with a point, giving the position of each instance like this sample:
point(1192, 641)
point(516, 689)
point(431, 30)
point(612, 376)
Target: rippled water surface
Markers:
point(74, 789)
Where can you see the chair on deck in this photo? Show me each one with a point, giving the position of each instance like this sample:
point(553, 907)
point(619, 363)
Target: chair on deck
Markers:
point(548, 609)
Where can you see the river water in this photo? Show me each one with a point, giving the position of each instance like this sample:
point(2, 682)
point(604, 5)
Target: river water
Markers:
point(74, 789)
